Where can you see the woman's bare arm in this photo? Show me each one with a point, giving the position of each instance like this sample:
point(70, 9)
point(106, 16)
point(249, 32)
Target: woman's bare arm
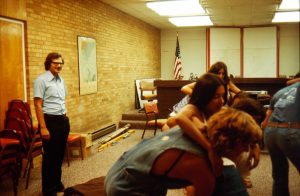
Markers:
point(185, 120)
point(265, 122)
point(188, 89)
point(233, 88)
point(292, 81)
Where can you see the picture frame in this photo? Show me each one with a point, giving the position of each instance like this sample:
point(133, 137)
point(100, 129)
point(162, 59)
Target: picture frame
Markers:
point(87, 66)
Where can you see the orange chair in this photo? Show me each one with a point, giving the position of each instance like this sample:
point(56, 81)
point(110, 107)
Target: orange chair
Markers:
point(151, 112)
point(32, 144)
point(18, 117)
point(23, 109)
point(17, 103)
point(10, 161)
point(72, 138)
point(148, 86)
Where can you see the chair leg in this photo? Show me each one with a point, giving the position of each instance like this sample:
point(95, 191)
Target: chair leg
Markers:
point(145, 129)
point(26, 168)
point(29, 158)
point(81, 152)
point(155, 126)
point(15, 179)
point(68, 156)
point(28, 173)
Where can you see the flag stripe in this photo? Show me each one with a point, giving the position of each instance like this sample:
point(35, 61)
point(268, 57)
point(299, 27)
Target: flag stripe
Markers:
point(177, 65)
point(177, 68)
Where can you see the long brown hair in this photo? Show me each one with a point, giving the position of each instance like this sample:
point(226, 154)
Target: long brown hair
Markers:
point(204, 90)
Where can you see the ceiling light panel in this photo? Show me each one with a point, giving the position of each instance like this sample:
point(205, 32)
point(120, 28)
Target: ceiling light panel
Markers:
point(191, 21)
point(176, 8)
point(289, 5)
point(287, 17)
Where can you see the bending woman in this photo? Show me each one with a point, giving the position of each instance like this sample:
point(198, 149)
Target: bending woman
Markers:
point(206, 99)
point(172, 160)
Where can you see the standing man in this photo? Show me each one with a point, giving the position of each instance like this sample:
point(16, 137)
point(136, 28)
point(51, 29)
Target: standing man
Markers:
point(282, 135)
point(49, 102)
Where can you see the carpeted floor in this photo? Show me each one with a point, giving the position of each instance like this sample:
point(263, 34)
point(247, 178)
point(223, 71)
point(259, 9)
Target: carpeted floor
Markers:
point(99, 162)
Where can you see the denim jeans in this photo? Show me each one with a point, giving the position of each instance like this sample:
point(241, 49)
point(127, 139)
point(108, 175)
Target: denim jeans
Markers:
point(283, 145)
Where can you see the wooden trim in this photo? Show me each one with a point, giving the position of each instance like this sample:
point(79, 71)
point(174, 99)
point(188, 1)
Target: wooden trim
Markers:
point(207, 49)
point(242, 52)
point(259, 80)
point(277, 50)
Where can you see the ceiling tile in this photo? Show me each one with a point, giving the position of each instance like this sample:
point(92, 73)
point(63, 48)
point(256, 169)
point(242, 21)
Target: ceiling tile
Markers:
point(222, 12)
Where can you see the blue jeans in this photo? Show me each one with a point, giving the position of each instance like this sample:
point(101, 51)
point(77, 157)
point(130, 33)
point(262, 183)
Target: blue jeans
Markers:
point(283, 144)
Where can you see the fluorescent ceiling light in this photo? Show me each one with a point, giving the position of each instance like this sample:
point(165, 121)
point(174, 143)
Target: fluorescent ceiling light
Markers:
point(177, 8)
point(287, 17)
point(191, 21)
point(289, 5)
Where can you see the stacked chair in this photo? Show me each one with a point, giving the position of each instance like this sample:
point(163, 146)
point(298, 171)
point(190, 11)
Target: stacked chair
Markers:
point(148, 91)
point(148, 86)
point(18, 118)
point(10, 157)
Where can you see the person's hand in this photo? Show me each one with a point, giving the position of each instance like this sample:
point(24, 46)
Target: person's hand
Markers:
point(216, 163)
point(263, 125)
point(45, 133)
point(254, 156)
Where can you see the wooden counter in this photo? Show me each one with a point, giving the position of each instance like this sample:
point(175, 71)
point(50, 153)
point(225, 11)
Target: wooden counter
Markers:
point(272, 85)
point(168, 94)
point(168, 91)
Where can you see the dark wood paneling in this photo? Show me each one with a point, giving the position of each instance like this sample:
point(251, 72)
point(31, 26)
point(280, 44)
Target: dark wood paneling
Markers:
point(272, 85)
point(168, 91)
point(168, 94)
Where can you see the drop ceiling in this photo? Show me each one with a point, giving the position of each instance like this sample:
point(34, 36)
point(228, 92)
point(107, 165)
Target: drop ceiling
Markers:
point(221, 12)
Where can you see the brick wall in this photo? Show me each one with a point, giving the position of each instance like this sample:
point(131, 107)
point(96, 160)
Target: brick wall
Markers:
point(127, 49)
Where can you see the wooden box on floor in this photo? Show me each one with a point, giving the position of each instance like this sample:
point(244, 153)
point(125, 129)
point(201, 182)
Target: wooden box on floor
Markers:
point(86, 145)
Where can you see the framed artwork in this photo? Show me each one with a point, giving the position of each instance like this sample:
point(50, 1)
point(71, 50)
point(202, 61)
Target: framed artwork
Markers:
point(87, 65)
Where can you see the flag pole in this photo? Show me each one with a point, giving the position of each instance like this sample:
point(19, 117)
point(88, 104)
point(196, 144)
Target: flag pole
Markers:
point(177, 64)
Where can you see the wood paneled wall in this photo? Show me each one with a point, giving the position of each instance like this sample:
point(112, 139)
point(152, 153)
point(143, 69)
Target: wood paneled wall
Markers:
point(13, 9)
point(11, 53)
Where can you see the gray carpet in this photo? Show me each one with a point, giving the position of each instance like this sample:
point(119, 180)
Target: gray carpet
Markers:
point(99, 162)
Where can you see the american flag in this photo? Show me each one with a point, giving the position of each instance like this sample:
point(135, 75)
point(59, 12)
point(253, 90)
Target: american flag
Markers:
point(177, 66)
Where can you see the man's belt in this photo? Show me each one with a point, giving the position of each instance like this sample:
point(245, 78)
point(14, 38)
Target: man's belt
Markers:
point(293, 125)
point(51, 116)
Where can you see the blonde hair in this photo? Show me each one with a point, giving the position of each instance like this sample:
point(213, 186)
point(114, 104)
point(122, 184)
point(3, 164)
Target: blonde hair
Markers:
point(228, 127)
